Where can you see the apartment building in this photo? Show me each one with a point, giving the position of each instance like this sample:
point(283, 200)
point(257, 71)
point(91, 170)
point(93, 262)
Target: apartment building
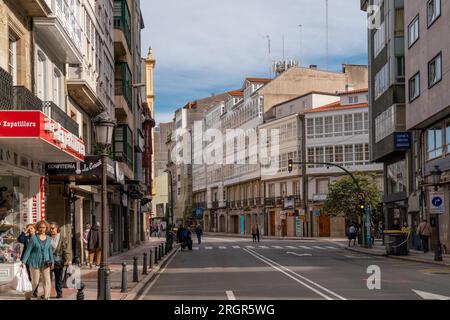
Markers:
point(336, 133)
point(284, 191)
point(391, 143)
point(427, 57)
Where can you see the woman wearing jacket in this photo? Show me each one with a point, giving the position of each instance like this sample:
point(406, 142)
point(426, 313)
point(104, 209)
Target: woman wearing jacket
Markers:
point(94, 245)
point(24, 237)
point(39, 257)
point(61, 255)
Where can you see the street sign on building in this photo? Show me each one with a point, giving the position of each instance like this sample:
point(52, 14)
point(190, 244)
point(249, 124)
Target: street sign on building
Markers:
point(283, 215)
point(317, 212)
point(437, 205)
point(402, 140)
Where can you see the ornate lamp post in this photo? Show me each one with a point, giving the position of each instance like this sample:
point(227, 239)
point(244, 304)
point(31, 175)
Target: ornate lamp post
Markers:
point(436, 175)
point(103, 131)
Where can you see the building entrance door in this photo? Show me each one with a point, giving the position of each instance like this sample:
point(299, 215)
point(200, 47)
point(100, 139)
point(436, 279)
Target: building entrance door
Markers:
point(272, 224)
point(324, 225)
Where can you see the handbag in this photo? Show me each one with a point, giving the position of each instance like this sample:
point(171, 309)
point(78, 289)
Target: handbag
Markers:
point(74, 277)
point(21, 283)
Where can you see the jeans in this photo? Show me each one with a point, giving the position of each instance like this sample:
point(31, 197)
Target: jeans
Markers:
point(199, 238)
point(58, 280)
point(425, 246)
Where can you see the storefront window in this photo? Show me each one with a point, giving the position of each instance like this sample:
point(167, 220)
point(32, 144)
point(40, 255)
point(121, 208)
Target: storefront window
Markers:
point(396, 177)
point(13, 216)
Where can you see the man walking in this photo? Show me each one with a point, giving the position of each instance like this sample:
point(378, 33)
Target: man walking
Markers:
point(258, 234)
point(424, 232)
point(199, 233)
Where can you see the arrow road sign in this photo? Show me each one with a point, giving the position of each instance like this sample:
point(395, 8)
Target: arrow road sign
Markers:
point(437, 205)
point(430, 296)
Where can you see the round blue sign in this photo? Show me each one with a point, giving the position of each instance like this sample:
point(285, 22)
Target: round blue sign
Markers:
point(437, 201)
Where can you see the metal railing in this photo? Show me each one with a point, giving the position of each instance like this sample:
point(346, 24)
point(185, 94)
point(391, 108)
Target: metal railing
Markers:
point(5, 90)
point(57, 114)
point(269, 201)
point(122, 19)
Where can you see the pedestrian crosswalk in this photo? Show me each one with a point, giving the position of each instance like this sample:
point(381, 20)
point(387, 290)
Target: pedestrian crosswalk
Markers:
point(267, 247)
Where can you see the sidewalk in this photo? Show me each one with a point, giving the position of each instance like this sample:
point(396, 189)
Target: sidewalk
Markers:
point(89, 276)
point(414, 256)
point(249, 236)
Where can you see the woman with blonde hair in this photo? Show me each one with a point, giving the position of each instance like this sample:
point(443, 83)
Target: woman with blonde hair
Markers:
point(39, 257)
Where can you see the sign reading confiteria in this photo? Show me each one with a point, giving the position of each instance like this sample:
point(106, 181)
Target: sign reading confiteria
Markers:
point(35, 124)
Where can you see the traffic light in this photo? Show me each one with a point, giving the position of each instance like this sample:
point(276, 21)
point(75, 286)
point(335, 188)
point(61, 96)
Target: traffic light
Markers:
point(290, 165)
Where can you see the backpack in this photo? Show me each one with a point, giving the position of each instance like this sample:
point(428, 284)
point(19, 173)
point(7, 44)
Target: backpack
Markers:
point(184, 234)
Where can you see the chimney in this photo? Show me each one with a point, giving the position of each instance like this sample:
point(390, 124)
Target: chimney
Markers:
point(313, 66)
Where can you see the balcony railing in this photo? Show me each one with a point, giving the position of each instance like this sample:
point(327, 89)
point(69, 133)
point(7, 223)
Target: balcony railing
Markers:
point(57, 114)
point(199, 205)
point(5, 90)
point(123, 82)
point(280, 201)
point(215, 204)
point(270, 201)
point(122, 19)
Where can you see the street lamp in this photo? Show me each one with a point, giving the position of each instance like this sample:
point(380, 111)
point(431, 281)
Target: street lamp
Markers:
point(103, 131)
point(436, 175)
point(171, 199)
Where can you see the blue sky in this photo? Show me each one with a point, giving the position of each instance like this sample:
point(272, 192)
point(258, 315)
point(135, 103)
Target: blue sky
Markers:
point(210, 46)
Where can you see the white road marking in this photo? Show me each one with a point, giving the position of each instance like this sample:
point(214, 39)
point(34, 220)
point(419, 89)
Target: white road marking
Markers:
point(263, 247)
point(250, 247)
point(291, 247)
point(277, 247)
point(317, 247)
point(222, 248)
point(333, 248)
point(300, 254)
point(230, 295)
point(304, 247)
point(430, 296)
point(293, 275)
point(208, 248)
point(160, 271)
point(236, 247)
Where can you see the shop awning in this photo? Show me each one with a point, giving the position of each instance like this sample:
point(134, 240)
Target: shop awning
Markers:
point(37, 136)
point(88, 172)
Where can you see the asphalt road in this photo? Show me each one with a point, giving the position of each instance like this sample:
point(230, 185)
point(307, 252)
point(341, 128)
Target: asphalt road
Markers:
point(233, 268)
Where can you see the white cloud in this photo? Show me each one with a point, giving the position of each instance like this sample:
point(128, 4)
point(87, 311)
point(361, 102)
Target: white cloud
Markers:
point(202, 45)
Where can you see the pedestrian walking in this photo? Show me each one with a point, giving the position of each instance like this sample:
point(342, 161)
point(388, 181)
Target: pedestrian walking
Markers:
point(86, 231)
point(258, 234)
point(424, 232)
point(180, 233)
point(24, 238)
point(39, 258)
point(94, 245)
point(61, 256)
point(352, 232)
point(199, 233)
point(254, 232)
point(159, 230)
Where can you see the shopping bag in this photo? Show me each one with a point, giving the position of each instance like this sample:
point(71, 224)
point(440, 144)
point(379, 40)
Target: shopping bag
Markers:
point(74, 277)
point(21, 283)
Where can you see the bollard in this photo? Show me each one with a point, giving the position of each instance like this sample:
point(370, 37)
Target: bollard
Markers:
point(163, 248)
point(144, 265)
point(161, 255)
point(150, 260)
point(80, 293)
point(156, 255)
point(124, 278)
point(135, 270)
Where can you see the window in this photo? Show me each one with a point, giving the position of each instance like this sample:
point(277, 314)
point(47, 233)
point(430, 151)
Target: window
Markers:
point(414, 87)
point(396, 177)
point(382, 81)
point(338, 154)
point(319, 127)
point(13, 59)
point(41, 75)
point(296, 188)
point(359, 154)
point(322, 186)
point(379, 40)
point(359, 123)
point(319, 155)
point(435, 143)
point(350, 100)
point(329, 154)
point(310, 128)
point(328, 127)
point(433, 10)
point(366, 122)
point(349, 155)
point(400, 70)
point(366, 153)
point(348, 124)
point(447, 136)
point(338, 129)
point(311, 155)
point(413, 31)
point(435, 70)
point(58, 95)
point(283, 189)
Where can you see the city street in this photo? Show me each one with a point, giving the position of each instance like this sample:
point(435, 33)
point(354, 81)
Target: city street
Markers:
point(234, 268)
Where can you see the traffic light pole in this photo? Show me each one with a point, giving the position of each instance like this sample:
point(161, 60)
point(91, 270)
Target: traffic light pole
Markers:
point(362, 219)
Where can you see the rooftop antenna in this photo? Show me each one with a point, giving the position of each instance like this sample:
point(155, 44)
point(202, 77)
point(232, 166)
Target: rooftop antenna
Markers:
point(270, 55)
point(327, 25)
point(301, 47)
point(283, 49)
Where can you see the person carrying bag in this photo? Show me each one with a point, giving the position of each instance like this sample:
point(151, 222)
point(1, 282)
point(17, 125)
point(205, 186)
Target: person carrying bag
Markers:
point(21, 282)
